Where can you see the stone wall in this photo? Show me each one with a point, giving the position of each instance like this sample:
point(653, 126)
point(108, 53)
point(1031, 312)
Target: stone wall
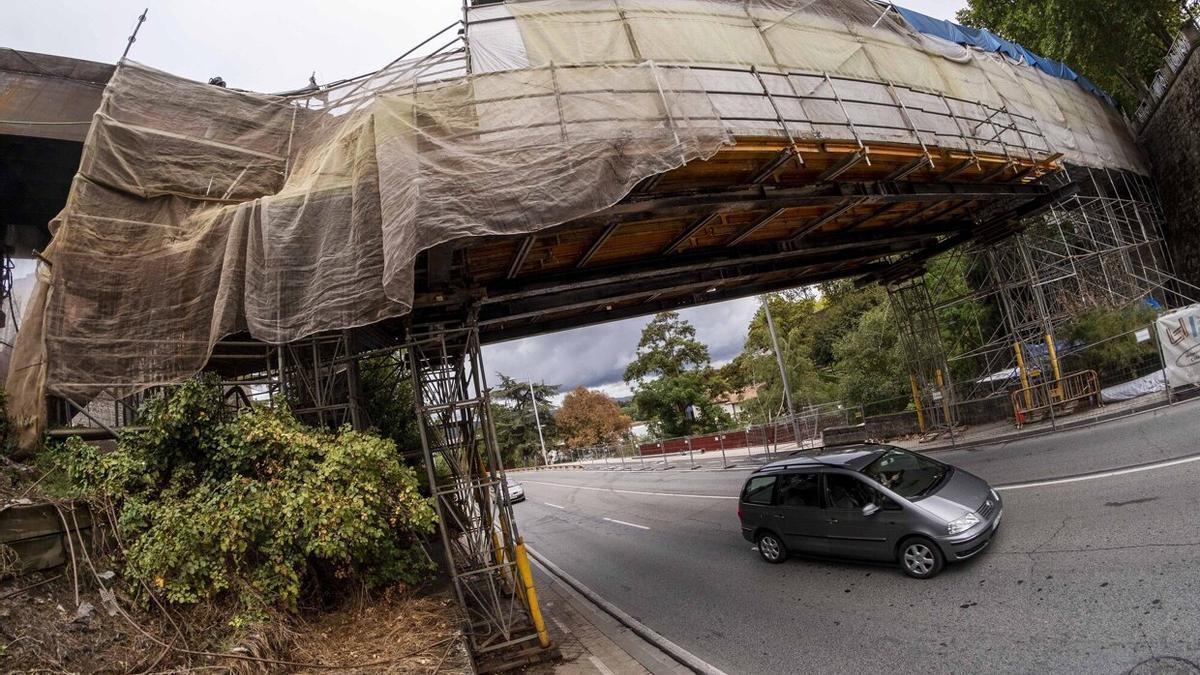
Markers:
point(1171, 140)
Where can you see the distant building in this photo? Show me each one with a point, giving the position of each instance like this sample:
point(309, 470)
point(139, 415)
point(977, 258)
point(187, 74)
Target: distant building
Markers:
point(734, 401)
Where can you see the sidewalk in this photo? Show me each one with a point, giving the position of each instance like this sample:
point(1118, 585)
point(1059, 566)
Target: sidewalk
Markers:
point(591, 641)
point(1003, 431)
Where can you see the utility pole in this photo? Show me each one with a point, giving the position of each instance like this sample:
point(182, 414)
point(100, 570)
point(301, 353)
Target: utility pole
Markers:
point(787, 389)
point(538, 420)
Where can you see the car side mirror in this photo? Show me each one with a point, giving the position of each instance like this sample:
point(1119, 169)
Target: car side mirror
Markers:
point(870, 509)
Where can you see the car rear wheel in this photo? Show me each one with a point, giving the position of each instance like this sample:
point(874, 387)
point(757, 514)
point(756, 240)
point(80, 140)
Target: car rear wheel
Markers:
point(921, 558)
point(771, 548)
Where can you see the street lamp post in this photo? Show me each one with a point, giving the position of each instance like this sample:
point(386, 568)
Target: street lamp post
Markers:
point(538, 420)
point(787, 389)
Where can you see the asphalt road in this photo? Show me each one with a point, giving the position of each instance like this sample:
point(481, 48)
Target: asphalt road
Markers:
point(1094, 575)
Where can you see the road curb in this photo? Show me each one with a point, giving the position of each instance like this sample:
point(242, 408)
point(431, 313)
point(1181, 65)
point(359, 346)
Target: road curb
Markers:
point(1066, 426)
point(683, 656)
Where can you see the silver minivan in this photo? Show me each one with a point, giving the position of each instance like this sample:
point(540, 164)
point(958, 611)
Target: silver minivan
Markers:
point(869, 502)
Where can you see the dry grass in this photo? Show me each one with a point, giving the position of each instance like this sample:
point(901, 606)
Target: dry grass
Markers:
point(423, 628)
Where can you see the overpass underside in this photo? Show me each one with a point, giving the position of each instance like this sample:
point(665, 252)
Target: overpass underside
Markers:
point(564, 165)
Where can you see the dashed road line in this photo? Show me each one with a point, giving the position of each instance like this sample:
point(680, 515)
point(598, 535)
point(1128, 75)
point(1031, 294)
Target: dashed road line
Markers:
point(632, 492)
point(554, 506)
point(621, 522)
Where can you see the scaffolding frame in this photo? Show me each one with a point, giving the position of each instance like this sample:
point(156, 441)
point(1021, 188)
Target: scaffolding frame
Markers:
point(933, 392)
point(1101, 246)
point(466, 476)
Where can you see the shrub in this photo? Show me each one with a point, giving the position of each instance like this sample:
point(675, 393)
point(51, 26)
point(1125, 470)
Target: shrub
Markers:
point(256, 504)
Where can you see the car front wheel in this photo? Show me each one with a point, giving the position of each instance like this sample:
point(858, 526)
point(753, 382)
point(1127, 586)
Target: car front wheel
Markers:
point(921, 558)
point(771, 548)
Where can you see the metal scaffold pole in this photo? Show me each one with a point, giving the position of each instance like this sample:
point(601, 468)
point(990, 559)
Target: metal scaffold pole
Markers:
point(787, 388)
point(483, 550)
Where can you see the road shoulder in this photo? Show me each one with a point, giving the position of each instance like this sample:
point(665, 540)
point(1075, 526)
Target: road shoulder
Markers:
point(590, 640)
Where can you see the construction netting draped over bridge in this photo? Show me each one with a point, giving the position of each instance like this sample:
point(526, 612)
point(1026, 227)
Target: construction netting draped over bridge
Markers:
point(853, 39)
point(200, 212)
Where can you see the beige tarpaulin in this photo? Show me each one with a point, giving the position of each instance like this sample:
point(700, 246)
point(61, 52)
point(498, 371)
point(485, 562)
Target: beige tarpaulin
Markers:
point(200, 212)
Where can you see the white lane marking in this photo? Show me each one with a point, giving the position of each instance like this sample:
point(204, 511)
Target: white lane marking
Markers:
point(621, 522)
point(633, 492)
point(673, 650)
point(1105, 474)
point(554, 506)
point(600, 665)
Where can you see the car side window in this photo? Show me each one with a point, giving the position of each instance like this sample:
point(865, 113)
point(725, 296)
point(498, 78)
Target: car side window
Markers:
point(800, 489)
point(848, 492)
point(759, 490)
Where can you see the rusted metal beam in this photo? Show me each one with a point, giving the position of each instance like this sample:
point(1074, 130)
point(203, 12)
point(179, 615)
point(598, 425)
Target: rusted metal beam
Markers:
point(910, 264)
point(880, 243)
point(522, 253)
point(500, 331)
point(826, 218)
point(598, 244)
point(691, 231)
point(755, 227)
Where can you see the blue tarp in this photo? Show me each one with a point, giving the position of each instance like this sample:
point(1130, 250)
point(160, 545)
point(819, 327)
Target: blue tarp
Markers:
point(990, 42)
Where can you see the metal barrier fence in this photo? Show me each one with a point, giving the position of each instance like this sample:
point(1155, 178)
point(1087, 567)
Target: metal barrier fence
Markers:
point(1045, 400)
point(1176, 56)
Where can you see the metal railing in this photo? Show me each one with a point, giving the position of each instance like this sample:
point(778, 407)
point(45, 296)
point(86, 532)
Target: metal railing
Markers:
point(1051, 398)
point(1176, 56)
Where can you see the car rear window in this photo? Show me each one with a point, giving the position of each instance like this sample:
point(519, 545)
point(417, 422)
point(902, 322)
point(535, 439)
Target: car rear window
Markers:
point(759, 490)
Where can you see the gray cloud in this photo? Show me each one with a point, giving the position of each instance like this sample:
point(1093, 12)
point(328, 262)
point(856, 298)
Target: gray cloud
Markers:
point(596, 356)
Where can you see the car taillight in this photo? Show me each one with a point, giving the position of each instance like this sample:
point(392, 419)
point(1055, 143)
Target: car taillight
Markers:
point(739, 511)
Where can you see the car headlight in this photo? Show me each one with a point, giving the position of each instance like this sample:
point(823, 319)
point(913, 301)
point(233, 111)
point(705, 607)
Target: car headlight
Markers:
point(963, 524)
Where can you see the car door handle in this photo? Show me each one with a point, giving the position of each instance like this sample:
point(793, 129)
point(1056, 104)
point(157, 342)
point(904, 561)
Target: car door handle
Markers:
point(779, 515)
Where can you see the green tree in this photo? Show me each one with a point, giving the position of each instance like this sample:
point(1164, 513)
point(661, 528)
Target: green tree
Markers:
point(871, 365)
point(516, 426)
point(388, 400)
point(1095, 345)
point(1118, 44)
point(810, 323)
point(672, 375)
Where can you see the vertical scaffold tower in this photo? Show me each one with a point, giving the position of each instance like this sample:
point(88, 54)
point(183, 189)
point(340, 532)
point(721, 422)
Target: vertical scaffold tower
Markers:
point(929, 373)
point(484, 554)
point(1101, 246)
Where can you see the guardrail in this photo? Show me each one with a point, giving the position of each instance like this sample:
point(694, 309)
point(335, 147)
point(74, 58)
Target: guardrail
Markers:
point(1177, 56)
point(1056, 397)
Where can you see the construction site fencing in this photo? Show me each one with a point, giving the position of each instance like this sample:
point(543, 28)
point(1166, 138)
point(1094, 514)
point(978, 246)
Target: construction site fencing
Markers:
point(768, 435)
point(1054, 398)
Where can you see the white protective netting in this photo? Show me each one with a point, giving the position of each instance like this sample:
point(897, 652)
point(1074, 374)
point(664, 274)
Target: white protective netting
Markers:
point(201, 212)
point(808, 39)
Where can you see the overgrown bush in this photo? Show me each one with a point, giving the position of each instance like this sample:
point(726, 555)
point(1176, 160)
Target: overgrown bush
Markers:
point(1102, 339)
point(256, 504)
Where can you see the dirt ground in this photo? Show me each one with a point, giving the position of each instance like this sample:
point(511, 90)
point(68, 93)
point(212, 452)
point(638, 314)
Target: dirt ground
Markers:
point(58, 621)
point(42, 629)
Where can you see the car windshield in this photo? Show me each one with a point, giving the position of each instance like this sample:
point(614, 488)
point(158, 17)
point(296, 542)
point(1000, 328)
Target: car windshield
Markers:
point(907, 474)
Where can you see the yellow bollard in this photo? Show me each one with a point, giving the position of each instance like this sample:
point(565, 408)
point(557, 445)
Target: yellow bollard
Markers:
point(1024, 375)
point(1053, 354)
point(917, 402)
point(535, 610)
point(501, 559)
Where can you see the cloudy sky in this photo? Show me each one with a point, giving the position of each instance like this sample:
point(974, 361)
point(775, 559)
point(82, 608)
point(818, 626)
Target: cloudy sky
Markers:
point(273, 45)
